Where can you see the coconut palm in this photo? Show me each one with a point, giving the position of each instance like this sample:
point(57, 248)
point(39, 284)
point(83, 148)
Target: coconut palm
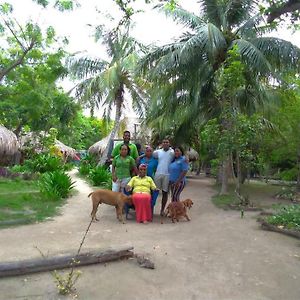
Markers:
point(104, 83)
point(186, 72)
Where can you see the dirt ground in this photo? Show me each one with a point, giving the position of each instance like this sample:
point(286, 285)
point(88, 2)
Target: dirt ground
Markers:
point(217, 255)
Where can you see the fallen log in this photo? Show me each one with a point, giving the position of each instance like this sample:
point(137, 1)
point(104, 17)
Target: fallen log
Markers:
point(63, 261)
point(266, 226)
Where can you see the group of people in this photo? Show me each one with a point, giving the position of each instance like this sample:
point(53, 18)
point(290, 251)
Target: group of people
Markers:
point(144, 174)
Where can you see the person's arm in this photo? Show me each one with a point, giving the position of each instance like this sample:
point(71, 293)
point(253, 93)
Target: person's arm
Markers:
point(116, 151)
point(185, 168)
point(133, 166)
point(113, 171)
point(129, 185)
point(134, 152)
point(155, 154)
point(152, 185)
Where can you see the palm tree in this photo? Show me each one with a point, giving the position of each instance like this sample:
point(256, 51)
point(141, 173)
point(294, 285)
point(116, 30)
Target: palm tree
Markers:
point(187, 70)
point(104, 83)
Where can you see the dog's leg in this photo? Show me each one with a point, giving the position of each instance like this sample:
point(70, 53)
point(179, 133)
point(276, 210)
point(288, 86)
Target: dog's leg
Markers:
point(120, 214)
point(94, 210)
point(187, 217)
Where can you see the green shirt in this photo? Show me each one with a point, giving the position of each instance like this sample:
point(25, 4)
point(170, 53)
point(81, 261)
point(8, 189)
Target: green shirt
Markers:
point(123, 166)
point(133, 150)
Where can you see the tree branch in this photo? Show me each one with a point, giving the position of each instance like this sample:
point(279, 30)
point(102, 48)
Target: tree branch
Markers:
point(288, 7)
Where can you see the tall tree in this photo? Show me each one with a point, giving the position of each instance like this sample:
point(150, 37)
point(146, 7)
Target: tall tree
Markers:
point(104, 83)
point(187, 69)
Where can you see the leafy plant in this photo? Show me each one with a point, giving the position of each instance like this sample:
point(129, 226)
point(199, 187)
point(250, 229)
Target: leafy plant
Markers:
point(44, 163)
point(288, 194)
point(287, 216)
point(100, 176)
point(289, 175)
point(84, 168)
point(55, 185)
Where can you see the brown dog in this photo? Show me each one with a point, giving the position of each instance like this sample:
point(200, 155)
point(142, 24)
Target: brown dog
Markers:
point(176, 210)
point(188, 203)
point(116, 199)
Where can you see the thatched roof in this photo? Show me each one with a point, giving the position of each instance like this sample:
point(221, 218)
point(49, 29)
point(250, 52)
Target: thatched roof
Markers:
point(99, 147)
point(71, 152)
point(9, 144)
point(192, 154)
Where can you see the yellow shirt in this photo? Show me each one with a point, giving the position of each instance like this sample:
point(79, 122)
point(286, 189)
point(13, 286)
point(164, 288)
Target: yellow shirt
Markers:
point(142, 184)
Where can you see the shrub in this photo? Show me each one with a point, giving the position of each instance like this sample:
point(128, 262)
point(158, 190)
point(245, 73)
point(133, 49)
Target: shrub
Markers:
point(288, 193)
point(44, 163)
point(287, 216)
point(84, 168)
point(55, 185)
point(289, 175)
point(100, 176)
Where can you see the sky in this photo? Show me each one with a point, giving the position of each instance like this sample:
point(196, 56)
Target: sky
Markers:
point(151, 27)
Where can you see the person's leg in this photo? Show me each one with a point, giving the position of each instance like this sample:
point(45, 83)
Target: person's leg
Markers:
point(172, 188)
point(177, 191)
point(164, 201)
point(165, 192)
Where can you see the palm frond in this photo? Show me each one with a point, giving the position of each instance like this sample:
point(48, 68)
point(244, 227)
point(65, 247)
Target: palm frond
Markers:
point(280, 53)
point(183, 16)
point(253, 57)
point(82, 67)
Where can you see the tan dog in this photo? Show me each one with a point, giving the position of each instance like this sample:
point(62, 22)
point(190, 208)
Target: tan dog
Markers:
point(116, 199)
point(188, 203)
point(176, 210)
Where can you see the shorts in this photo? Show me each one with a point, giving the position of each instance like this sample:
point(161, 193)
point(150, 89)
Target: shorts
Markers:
point(162, 182)
point(119, 185)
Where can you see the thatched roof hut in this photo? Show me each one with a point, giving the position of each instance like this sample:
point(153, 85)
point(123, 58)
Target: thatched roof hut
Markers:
point(9, 145)
point(99, 147)
point(69, 152)
point(192, 154)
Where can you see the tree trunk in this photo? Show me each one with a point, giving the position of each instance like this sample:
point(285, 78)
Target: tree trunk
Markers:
point(119, 102)
point(298, 176)
point(224, 186)
point(239, 174)
point(62, 262)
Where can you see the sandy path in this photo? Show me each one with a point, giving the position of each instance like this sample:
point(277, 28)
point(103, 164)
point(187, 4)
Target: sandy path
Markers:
point(217, 255)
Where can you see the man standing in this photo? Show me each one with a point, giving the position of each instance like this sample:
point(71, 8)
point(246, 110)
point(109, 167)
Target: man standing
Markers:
point(161, 178)
point(126, 140)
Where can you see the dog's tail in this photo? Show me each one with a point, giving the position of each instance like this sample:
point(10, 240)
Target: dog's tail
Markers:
point(90, 194)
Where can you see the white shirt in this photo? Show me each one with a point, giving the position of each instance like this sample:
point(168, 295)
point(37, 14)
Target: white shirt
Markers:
point(164, 160)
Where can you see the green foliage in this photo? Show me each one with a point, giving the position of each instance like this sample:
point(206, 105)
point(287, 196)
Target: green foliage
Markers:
point(44, 163)
point(289, 175)
point(100, 176)
point(287, 216)
point(84, 168)
point(22, 203)
point(288, 193)
point(82, 131)
point(55, 185)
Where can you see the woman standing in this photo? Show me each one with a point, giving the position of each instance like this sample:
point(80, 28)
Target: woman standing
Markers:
point(122, 166)
point(178, 169)
point(150, 161)
point(141, 186)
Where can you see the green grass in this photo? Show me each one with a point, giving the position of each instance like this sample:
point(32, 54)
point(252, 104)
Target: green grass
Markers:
point(22, 203)
point(224, 201)
point(260, 195)
point(286, 216)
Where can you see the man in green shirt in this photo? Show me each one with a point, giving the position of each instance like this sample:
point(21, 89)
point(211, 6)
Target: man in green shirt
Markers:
point(126, 140)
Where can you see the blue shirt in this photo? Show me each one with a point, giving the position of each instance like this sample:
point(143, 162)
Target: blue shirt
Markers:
point(151, 165)
point(176, 167)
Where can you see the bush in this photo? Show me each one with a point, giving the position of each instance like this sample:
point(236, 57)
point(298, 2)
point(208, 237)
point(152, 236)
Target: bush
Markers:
point(55, 185)
point(100, 176)
point(287, 216)
point(288, 194)
point(289, 175)
point(84, 168)
point(44, 163)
